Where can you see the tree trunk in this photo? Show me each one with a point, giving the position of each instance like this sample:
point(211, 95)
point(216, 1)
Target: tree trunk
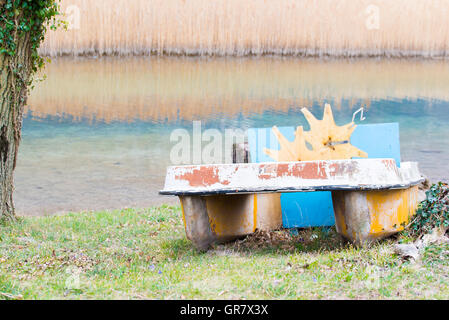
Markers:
point(14, 79)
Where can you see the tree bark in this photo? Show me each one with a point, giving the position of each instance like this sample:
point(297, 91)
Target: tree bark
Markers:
point(15, 74)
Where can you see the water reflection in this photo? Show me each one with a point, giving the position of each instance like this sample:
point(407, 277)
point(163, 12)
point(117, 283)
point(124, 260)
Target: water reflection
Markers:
point(96, 132)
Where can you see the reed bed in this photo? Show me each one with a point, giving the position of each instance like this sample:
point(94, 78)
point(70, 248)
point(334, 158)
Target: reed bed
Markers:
point(253, 27)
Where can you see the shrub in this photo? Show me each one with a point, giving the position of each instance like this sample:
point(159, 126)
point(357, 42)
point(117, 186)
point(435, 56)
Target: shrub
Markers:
point(431, 213)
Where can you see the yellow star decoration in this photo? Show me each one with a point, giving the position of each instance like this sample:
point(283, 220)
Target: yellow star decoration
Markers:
point(328, 141)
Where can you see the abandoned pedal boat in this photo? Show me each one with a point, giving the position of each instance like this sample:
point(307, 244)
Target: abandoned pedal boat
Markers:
point(372, 198)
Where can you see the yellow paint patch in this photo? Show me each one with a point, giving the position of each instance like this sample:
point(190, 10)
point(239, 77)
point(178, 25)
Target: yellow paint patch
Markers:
point(391, 210)
point(255, 212)
point(183, 216)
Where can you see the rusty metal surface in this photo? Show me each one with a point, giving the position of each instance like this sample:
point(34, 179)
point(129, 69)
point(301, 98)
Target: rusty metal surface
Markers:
point(328, 175)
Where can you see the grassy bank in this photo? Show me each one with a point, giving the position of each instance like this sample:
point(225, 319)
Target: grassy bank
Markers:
point(140, 254)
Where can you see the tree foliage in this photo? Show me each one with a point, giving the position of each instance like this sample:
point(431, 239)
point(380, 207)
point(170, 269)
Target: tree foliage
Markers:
point(20, 18)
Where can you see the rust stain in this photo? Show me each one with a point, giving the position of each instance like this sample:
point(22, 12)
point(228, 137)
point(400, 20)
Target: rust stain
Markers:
point(316, 170)
point(303, 170)
point(268, 171)
point(202, 177)
point(209, 175)
point(389, 164)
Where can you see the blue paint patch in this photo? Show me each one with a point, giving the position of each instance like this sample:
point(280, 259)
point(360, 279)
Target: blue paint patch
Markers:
point(378, 140)
point(307, 209)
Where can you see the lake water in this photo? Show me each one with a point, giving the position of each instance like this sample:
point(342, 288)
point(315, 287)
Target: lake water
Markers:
point(96, 131)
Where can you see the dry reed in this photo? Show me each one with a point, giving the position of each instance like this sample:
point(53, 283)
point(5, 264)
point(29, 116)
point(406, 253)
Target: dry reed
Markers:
point(246, 27)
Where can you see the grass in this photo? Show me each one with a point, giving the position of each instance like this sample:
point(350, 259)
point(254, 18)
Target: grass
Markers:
point(144, 254)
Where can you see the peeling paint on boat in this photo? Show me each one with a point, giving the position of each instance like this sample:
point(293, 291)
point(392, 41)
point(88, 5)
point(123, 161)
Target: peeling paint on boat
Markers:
point(360, 174)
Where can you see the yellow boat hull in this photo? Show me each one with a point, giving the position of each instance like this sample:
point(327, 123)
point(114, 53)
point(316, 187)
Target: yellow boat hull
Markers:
point(365, 216)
